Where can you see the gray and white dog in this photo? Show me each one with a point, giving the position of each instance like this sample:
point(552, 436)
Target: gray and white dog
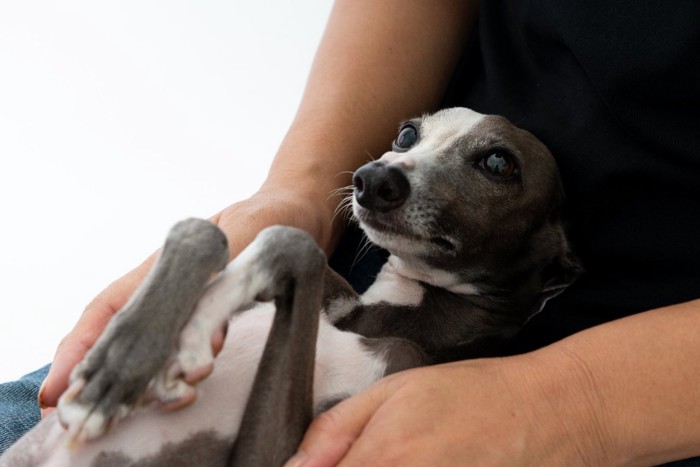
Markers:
point(468, 206)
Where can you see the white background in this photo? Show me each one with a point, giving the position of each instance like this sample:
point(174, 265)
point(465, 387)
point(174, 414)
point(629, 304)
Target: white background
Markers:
point(119, 118)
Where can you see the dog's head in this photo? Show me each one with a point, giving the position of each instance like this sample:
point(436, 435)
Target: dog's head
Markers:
point(467, 202)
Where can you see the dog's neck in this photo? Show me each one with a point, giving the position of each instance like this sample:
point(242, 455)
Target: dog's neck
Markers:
point(409, 296)
point(415, 270)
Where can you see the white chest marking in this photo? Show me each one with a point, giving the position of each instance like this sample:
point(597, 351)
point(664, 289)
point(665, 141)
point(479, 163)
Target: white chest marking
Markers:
point(393, 287)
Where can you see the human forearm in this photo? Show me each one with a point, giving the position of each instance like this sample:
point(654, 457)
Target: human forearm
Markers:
point(630, 386)
point(378, 63)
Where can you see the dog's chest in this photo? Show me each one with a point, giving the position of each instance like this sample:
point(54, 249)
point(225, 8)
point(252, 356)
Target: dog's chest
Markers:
point(393, 288)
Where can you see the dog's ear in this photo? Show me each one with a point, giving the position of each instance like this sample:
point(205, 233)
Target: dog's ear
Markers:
point(563, 271)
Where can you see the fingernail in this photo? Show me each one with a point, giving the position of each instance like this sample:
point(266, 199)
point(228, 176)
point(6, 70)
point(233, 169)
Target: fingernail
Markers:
point(46, 412)
point(40, 397)
point(297, 460)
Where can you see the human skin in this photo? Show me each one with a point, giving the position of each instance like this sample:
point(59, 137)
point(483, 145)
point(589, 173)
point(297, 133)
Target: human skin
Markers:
point(622, 393)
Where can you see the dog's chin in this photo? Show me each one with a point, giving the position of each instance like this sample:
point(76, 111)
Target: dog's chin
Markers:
point(394, 242)
point(402, 241)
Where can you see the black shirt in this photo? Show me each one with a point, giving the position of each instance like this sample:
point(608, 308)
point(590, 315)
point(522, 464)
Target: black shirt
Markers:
point(613, 89)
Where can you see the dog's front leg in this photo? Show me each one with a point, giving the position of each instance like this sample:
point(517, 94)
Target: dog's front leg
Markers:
point(280, 407)
point(143, 335)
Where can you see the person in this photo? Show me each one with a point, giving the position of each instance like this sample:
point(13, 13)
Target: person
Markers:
point(607, 373)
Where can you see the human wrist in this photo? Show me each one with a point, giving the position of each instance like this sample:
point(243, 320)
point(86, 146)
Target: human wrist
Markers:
point(643, 368)
point(317, 185)
point(305, 205)
point(565, 406)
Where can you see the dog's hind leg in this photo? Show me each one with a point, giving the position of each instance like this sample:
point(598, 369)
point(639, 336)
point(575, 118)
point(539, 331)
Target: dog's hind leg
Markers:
point(280, 407)
point(144, 334)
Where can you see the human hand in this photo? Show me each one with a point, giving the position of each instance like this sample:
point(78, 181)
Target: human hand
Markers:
point(241, 222)
point(481, 412)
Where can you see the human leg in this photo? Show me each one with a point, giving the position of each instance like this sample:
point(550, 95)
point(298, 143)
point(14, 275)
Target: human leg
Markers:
point(19, 410)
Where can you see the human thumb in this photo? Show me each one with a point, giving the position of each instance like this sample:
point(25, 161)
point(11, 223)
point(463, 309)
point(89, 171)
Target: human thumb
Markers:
point(331, 435)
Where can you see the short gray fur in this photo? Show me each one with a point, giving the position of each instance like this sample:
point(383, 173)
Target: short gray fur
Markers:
point(280, 406)
point(144, 333)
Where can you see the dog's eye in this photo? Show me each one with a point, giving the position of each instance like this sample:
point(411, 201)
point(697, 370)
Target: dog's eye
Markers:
point(499, 164)
point(408, 135)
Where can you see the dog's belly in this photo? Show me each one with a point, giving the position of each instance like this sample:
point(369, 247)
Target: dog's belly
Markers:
point(201, 434)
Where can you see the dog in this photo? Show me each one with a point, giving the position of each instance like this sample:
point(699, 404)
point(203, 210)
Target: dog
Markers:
point(468, 207)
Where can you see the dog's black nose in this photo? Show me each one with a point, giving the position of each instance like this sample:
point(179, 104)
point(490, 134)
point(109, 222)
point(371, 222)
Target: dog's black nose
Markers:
point(380, 187)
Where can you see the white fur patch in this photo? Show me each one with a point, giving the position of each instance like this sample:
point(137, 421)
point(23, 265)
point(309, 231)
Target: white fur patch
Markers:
point(435, 277)
point(344, 366)
point(83, 421)
point(437, 132)
point(393, 287)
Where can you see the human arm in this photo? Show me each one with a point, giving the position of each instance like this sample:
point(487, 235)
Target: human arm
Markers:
point(622, 393)
point(378, 63)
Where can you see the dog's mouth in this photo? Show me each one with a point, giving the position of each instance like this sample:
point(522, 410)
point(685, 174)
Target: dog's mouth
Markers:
point(381, 230)
point(381, 225)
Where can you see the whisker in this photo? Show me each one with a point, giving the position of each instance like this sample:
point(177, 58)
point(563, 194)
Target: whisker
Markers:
point(342, 191)
point(365, 246)
point(344, 208)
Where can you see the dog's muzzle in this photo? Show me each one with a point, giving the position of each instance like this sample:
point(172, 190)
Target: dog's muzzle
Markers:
point(380, 187)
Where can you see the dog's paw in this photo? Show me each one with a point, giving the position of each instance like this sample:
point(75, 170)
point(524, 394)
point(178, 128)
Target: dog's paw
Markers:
point(82, 421)
point(195, 358)
point(110, 382)
point(141, 338)
point(194, 361)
